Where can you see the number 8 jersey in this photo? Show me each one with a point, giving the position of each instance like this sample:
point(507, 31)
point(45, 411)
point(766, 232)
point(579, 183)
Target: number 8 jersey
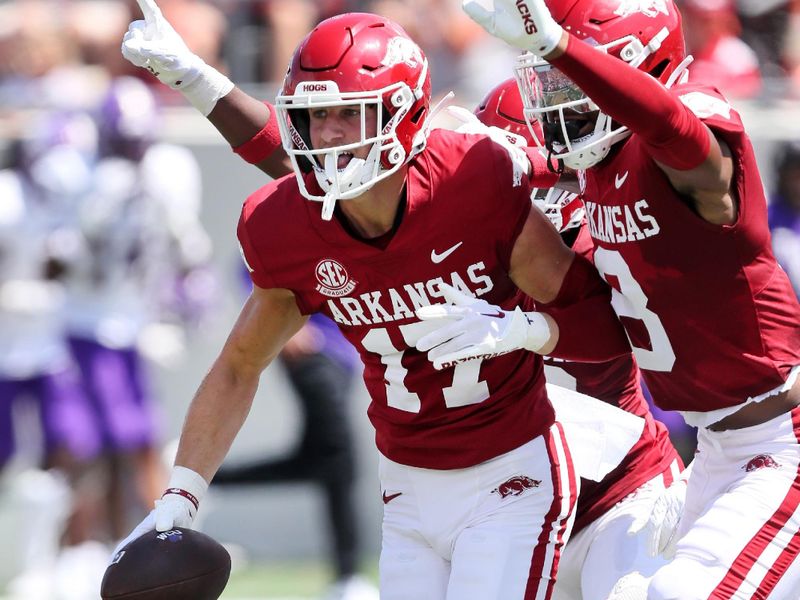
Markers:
point(465, 206)
point(710, 315)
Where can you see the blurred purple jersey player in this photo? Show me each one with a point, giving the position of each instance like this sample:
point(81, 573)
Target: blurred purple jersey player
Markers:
point(47, 172)
point(138, 232)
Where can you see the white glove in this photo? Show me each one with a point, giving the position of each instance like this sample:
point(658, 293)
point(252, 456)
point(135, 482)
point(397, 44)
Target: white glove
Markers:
point(473, 329)
point(661, 526)
point(523, 24)
point(512, 143)
point(155, 45)
point(176, 508)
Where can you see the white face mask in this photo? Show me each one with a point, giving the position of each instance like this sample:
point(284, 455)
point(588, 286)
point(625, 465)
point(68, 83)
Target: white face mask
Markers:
point(547, 94)
point(360, 174)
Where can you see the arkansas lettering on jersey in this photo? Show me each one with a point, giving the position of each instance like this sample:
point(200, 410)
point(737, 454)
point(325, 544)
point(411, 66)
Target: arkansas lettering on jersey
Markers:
point(615, 382)
point(711, 316)
point(463, 212)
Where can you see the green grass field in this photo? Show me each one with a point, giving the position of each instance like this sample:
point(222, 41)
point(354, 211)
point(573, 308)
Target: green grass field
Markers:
point(282, 581)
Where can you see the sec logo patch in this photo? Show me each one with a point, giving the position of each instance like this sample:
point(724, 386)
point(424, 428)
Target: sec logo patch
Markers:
point(333, 279)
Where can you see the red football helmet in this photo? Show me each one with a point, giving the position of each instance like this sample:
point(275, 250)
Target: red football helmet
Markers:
point(355, 59)
point(644, 33)
point(502, 108)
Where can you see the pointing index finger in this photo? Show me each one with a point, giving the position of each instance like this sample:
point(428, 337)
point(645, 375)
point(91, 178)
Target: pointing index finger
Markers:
point(152, 14)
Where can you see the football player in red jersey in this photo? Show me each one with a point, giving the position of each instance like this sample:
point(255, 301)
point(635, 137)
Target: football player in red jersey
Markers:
point(677, 215)
point(607, 508)
point(477, 476)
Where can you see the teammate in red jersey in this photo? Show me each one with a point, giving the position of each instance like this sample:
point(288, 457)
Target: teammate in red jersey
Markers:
point(677, 215)
point(477, 476)
point(605, 509)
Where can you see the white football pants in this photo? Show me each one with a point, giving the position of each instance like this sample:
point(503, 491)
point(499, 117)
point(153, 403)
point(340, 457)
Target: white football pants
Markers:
point(494, 531)
point(740, 531)
point(603, 553)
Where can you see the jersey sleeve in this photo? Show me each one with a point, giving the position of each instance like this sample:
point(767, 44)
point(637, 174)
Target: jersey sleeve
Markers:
point(255, 267)
point(710, 106)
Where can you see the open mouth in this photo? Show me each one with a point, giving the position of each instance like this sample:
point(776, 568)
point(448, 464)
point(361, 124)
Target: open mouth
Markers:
point(343, 160)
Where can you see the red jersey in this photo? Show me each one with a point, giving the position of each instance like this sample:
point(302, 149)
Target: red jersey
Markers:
point(617, 383)
point(711, 316)
point(465, 207)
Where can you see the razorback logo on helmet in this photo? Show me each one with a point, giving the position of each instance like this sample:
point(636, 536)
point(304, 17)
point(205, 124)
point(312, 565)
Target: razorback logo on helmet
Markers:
point(516, 486)
point(402, 50)
point(649, 8)
point(333, 279)
point(705, 106)
point(762, 461)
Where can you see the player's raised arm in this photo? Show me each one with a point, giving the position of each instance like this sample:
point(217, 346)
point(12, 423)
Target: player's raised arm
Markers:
point(246, 123)
point(697, 164)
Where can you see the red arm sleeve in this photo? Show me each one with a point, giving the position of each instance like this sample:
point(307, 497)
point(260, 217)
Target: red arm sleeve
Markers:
point(588, 328)
point(263, 143)
point(542, 176)
point(674, 136)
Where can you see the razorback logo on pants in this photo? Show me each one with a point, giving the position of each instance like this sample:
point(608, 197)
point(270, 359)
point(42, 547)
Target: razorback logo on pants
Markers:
point(762, 461)
point(515, 486)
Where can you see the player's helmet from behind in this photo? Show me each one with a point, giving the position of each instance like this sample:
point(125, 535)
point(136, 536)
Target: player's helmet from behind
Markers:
point(364, 60)
point(644, 33)
point(127, 119)
point(502, 107)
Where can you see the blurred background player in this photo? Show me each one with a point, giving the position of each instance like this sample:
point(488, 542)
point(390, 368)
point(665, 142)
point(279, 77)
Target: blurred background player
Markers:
point(784, 210)
point(44, 419)
point(721, 58)
point(137, 270)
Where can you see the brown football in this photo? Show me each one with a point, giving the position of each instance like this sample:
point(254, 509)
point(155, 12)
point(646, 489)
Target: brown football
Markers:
point(180, 564)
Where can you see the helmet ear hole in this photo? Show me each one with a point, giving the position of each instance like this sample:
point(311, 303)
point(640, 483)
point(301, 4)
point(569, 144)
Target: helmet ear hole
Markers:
point(659, 68)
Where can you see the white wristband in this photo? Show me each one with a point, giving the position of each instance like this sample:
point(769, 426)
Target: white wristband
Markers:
point(205, 90)
point(548, 39)
point(537, 332)
point(188, 481)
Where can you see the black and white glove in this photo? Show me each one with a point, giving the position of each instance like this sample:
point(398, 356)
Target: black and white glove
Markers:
point(523, 24)
point(176, 508)
point(156, 46)
point(473, 329)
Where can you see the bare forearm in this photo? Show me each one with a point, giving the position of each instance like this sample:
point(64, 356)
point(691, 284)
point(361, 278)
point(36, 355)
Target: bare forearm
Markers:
point(215, 417)
point(238, 116)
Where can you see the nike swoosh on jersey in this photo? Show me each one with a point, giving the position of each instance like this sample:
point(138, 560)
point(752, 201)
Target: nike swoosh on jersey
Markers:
point(390, 497)
point(619, 181)
point(439, 257)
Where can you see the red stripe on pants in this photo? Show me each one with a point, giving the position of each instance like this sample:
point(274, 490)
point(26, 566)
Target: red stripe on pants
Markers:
point(554, 520)
point(762, 539)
